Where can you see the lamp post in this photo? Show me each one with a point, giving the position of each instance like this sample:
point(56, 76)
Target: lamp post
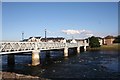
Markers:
point(45, 36)
point(22, 35)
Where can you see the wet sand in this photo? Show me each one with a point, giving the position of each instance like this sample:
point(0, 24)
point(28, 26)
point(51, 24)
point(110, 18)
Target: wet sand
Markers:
point(15, 76)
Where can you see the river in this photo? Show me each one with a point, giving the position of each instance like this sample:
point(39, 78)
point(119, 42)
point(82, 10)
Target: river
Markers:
point(89, 64)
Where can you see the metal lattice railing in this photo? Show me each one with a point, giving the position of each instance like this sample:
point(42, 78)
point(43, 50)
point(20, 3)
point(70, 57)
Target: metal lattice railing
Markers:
point(29, 46)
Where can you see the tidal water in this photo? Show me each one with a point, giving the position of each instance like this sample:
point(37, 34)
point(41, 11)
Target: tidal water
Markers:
point(89, 64)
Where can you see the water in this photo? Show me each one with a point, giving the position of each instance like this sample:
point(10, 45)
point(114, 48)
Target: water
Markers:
point(90, 64)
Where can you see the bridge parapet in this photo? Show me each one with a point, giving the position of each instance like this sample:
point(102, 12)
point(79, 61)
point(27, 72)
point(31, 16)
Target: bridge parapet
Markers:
point(30, 46)
point(35, 48)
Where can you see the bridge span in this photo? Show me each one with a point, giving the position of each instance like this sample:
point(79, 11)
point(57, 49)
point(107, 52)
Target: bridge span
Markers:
point(35, 48)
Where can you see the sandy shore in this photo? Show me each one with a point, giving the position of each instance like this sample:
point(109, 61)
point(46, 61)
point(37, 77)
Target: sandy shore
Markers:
point(15, 76)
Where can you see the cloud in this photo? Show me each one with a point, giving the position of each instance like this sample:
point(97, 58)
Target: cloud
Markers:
point(80, 33)
point(86, 31)
point(71, 32)
point(89, 35)
point(76, 31)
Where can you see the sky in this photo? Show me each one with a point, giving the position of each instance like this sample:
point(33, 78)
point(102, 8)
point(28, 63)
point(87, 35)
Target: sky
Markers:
point(61, 19)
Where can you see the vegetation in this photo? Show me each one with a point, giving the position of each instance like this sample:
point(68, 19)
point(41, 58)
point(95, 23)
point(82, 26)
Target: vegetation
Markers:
point(117, 39)
point(94, 42)
point(110, 47)
point(106, 47)
point(95, 45)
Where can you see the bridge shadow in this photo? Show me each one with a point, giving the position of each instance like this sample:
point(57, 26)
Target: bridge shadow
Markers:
point(23, 63)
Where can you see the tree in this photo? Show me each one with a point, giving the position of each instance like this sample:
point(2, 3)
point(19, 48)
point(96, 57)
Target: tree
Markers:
point(117, 39)
point(94, 42)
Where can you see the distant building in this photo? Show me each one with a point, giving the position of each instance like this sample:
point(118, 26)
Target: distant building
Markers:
point(34, 39)
point(24, 40)
point(50, 39)
point(75, 41)
point(63, 41)
point(108, 40)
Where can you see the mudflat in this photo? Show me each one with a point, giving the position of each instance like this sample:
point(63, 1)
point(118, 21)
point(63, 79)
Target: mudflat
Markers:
point(14, 76)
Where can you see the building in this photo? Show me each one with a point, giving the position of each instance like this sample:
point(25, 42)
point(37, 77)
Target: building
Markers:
point(63, 41)
point(24, 40)
point(75, 41)
point(50, 39)
point(108, 40)
point(34, 39)
point(81, 41)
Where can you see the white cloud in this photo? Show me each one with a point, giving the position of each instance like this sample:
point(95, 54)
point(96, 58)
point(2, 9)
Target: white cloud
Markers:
point(76, 31)
point(83, 32)
point(71, 32)
point(89, 35)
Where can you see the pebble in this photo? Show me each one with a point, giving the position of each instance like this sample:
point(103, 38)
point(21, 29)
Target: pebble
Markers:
point(82, 60)
point(96, 57)
point(53, 70)
point(42, 70)
point(57, 62)
point(84, 75)
point(89, 61)
point(14, 76)
point(94, 69)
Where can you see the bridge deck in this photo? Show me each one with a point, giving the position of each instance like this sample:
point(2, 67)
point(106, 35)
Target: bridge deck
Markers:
point(16, 47)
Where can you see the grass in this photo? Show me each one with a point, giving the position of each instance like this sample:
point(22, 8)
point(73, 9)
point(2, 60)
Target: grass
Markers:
point(107, 47)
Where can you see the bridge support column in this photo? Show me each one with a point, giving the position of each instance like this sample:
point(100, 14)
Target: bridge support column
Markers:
point(65, 52)
point(78, 49)
point(11, 59)
point(35, 58)
point(84, 48)
point(85, 45)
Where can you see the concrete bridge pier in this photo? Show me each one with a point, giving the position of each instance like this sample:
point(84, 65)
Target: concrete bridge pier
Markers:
point(35, 58)
point(65, 52)
point(85, 41)
point(78, 49)
point(84, 48)
point(11, 59)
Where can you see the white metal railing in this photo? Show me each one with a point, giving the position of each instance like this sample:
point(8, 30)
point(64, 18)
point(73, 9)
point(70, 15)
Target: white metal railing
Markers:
point(27, 46)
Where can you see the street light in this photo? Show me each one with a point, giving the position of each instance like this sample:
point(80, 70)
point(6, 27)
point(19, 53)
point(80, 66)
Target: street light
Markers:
point(22, 35)
point(45, 36)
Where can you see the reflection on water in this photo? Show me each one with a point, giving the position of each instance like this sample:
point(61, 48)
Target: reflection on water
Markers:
point(91, 64)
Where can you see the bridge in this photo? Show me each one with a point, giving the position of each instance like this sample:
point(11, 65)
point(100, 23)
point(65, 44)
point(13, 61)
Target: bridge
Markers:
point(35, 48)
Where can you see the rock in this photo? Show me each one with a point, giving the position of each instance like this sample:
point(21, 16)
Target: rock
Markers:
point(53, 70)
point(14, 76)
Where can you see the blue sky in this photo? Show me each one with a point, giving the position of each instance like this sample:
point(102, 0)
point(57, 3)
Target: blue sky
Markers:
point(66, 19)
